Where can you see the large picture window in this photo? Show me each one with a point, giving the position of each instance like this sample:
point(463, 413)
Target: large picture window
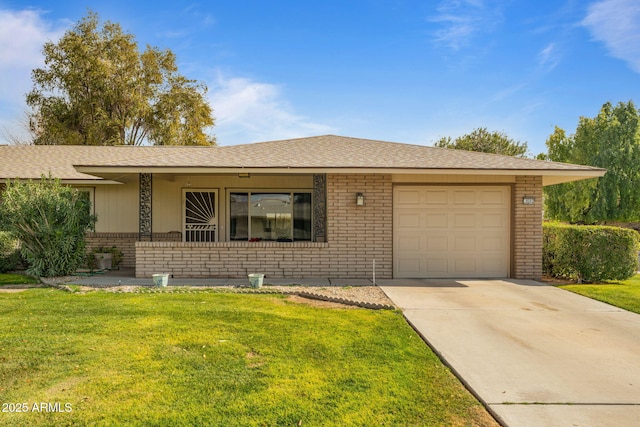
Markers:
point(274, 216)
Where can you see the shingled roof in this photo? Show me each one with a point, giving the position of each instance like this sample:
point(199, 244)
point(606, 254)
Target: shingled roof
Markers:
point(33, 161)
point(320, 154)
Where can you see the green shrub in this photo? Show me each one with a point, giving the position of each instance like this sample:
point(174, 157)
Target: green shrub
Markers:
point(9, 252)
point(116, 254)
point(50, 221)
point(589, 253)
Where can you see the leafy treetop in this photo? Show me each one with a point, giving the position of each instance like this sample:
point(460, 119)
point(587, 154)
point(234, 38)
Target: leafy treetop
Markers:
point(486, 142)
point(97, 88)
point(611, 140)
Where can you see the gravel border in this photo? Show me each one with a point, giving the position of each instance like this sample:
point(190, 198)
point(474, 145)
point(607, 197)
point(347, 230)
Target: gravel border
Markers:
point(370, 297)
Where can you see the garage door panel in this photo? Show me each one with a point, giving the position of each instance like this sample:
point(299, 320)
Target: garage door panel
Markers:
point(409, 243)
point(464, 243)
point(492, 243)
point(464, 266)
point(437, 243)
point(464, 197)
point(493, 197)
point(410, 266)
point(455, 231)
point(464, 220)
point(435, 197)
point(409, 220)
point(493, 220)
point(492, 266)
point(407, 197)
point(439, 267)
point(436, 220)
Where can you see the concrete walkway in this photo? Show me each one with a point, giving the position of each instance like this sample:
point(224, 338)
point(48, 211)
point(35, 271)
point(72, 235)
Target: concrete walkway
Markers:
point(534, 354)
point(125, 277)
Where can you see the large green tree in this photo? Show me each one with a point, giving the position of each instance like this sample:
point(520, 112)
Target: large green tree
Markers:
point(97, 88)
point(611, 140)
point(486, 142)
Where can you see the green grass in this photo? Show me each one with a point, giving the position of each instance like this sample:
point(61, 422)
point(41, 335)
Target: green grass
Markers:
point(624, 294)
point(17, 279)
point(181, 359)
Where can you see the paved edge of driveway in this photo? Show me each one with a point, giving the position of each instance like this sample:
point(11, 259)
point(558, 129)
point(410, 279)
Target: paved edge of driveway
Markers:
point(512, 345)
point(444, 361)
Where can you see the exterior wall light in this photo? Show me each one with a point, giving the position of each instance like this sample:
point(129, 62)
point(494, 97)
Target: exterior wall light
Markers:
point(528, 200)
point(359, 199)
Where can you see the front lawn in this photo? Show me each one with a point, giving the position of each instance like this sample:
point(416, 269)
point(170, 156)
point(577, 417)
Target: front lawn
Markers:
point(624, 294)
point(180, 359)
point(16, 279)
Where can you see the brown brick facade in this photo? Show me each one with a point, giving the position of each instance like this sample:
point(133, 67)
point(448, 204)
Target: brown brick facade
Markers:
point(126, 242)
point(356, 235)
point(527, 228)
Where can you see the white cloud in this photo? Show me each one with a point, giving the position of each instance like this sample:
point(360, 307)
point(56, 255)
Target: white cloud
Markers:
point(461, 20)
point(548, 58)
point(22, 36)
point(508, 92)
point(248, 111)
point(616, 23)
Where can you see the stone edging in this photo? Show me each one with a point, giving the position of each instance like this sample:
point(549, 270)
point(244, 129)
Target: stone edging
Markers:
point(319, 297)
point(303, 294)
point(370, 305)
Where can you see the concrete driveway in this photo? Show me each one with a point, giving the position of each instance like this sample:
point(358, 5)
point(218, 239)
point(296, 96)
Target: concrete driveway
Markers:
point(534, 354)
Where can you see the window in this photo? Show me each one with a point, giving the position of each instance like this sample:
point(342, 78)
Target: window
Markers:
point(273, 216)
point(88, 193)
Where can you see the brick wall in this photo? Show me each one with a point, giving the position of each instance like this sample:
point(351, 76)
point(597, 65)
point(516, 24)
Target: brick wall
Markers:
point(126, 243)
point(231, 259)
point(527, 229)
point(356, 235)
point(359, 234)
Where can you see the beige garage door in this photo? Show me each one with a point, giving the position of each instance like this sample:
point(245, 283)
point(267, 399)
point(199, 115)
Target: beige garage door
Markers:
point(452, 231)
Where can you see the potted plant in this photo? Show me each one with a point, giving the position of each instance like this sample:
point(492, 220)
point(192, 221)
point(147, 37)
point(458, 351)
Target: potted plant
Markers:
point(105, 258)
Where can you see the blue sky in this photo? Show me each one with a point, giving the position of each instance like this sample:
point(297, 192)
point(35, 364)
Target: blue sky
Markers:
point(404, 71)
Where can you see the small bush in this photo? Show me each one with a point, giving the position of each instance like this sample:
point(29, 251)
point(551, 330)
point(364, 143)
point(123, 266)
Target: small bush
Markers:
point(114, 251)
point(50, 221)
point(589, 253)
point(9, 252)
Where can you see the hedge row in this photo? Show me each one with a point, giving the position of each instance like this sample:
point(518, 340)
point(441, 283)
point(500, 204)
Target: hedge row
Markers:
point(589, 253)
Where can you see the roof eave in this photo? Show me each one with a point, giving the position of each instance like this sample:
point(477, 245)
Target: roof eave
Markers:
point(69, 181)
point(550, 176)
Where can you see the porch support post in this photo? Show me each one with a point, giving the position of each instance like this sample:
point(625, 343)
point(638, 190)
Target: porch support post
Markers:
point(320, 207)
point(145, 207)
